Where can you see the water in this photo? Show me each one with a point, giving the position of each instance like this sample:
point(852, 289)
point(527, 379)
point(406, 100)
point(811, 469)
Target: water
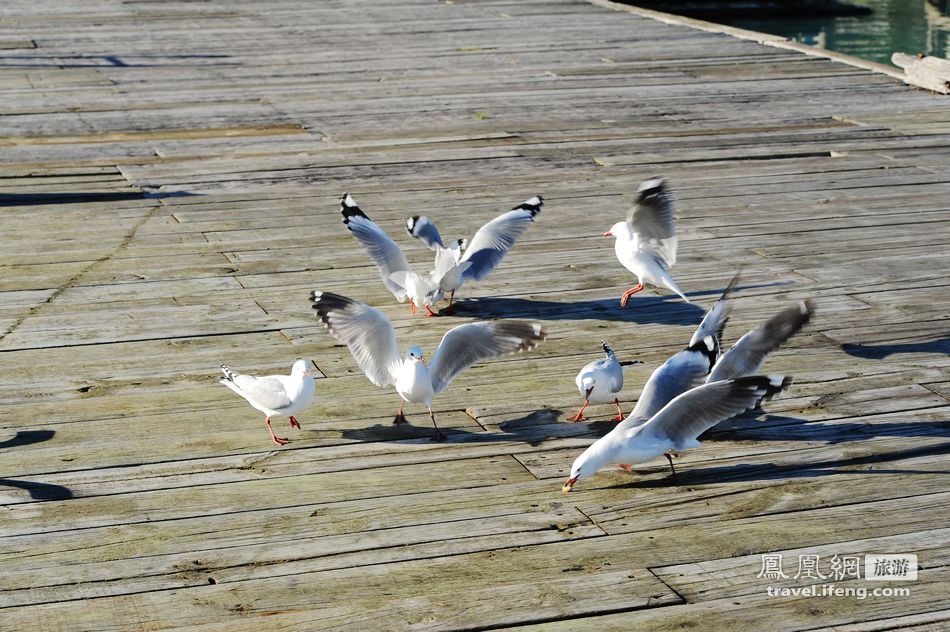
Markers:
point(907, 26)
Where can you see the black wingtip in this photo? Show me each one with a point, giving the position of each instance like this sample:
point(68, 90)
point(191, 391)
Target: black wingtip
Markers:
point(709, 347)
point(767, 386)
point(654, 186)
point(532, 205)
point(349, 209)
point(325, 303)
point(411, 225)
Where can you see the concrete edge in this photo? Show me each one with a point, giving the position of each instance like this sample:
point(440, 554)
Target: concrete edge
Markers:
point(767, 39)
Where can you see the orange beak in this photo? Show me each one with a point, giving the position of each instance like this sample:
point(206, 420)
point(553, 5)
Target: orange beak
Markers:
point(608, 234)
point(569, 484)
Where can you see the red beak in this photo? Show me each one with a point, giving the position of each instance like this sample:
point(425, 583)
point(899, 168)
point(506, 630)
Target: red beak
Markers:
point(569, 483)
point(608, 234)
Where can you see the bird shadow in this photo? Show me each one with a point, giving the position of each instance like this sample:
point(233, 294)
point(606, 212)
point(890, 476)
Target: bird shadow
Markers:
point(27, 437)
point(81, 197)
point(879, 352)
point(40, 491)
point(661, 310)
point(785, 428)
point(37, 491)
point(642, 308)
point(699, 475)
point(533, 428)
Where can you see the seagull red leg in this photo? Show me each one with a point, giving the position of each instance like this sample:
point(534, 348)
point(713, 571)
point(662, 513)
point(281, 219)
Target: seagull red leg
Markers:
point(293, 422)
point(412, 307)
point(626, 295)
point(580, 414)
point(619, 416)
point(277, 440)
point(431, 313)
point(451, 308)
point(625, 466)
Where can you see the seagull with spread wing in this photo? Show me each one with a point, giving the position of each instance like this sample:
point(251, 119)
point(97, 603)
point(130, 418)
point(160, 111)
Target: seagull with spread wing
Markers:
point(676, 426)
point(646, 243)
point(371, 339)
point(455, 263)
point(285, 395)
point(483, 253)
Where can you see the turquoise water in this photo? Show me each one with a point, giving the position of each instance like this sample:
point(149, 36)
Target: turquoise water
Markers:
point(907, 26)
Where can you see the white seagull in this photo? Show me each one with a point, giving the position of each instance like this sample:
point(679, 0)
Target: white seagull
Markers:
point(371, 339)
point(646, 243)
point(275, 395)
point(455, 263)
point(676, 426)
point(701, 360)
point(601, 381)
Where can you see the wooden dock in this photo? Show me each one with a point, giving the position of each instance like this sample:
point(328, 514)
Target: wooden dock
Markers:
point(169, 184)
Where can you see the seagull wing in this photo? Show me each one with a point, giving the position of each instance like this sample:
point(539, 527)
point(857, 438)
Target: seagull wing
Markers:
point(747, 354)
point(365, 330)
point(653, 223)
point(381, 248)
point(697, 410)
point(493, 240)
point(463, 346)
point(421, 227)
point(264, 391)
point(682, 372)
point(714, 322)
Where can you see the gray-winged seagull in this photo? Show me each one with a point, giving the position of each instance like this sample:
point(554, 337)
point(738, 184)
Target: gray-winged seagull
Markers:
point(456, 263)
point(275, 395)
point(371, 339)
point(646, 243)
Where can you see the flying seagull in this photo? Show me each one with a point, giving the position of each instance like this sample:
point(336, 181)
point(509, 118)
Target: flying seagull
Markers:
point(455, 263)
point(371, 339)
point(676, 426)
point(646, 243)
point(601, 381)
point(275, 395)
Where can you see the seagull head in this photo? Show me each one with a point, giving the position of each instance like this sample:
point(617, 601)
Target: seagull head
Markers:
point(620, 230)
point(591, 460)
point(302, 368)
point(415, 354)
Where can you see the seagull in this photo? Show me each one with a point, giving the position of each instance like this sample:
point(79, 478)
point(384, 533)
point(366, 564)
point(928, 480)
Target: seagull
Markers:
point(459, 261)
point(702, 361)
point(601, 380)
point(689, 367)
point(394, 269)
point(676, 426)
point(371, 339)
point(699, 366)
point(275, 395)
point(487, 248)
point(646, 243)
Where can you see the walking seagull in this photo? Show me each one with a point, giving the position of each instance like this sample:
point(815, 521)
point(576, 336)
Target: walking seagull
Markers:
point(646, 243)
point(371, 339)
point(601, 381)
point(275, 395)
point(676, 426)
point(455, 263)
